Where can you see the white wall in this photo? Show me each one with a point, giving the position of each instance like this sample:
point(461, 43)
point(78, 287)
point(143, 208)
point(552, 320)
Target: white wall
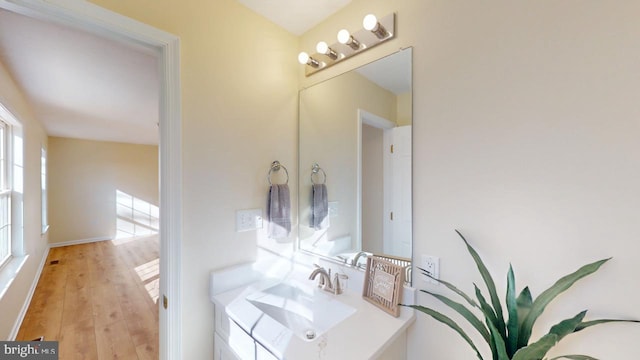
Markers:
point(526, 139)
point(34, 244)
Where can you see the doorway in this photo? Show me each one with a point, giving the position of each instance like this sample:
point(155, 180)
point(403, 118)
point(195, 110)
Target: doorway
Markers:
point(92, 18)
point(384, 185)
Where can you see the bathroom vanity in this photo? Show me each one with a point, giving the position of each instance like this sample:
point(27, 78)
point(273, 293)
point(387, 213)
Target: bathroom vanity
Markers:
point(277, 312)
point(355, 148)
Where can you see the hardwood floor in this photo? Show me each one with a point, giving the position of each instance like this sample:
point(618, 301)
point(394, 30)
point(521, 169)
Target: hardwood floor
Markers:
point(99, 301)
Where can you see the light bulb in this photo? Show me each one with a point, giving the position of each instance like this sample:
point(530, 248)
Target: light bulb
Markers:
point(322, 47)
point(370, 22)
point(343, 36)
point(303, 58)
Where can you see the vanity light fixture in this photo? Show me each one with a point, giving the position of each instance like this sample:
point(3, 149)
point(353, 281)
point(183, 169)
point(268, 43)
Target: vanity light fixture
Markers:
point(347, 39)
point(371, 23)
point(375, 31)
point(323, 48)
point(305, 59)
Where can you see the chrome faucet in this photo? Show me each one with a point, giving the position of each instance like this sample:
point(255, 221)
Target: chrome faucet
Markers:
point(354, 262)
point(325, 282)
point(325, 277)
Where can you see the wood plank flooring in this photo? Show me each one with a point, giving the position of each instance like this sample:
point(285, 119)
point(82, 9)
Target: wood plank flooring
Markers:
point(99, 301)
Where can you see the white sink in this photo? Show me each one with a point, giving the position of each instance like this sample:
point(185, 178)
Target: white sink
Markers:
point(305, 310)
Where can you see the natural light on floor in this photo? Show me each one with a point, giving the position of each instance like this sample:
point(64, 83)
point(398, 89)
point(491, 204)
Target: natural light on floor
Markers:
point(134, 217)
point(138, 219)
point(149, 274)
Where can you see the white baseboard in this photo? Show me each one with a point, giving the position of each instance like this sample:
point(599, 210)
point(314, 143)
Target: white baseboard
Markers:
point(27, 302)
point(81, 241)
point(34, 283)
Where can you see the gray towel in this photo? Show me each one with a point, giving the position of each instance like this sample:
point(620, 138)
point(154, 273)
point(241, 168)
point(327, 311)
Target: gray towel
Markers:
point(319, 207)
point(279, 211)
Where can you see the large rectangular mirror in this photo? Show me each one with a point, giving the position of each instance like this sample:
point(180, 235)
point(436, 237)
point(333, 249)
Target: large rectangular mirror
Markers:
point(355, 163)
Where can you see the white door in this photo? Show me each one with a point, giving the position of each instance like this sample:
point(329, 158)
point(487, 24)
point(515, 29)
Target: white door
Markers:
point(399, 241)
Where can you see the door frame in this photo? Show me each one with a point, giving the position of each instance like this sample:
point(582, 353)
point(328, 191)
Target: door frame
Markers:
point(89, 17)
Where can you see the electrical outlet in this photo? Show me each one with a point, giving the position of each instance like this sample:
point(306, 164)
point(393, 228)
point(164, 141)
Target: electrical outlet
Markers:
point(431, 265)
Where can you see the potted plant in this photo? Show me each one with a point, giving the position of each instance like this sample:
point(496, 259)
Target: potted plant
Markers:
point(510, 339)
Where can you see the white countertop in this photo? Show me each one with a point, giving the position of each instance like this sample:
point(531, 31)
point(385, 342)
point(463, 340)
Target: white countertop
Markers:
point(362, 335)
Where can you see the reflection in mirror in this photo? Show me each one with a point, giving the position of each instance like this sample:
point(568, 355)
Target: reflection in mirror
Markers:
point(355, 163)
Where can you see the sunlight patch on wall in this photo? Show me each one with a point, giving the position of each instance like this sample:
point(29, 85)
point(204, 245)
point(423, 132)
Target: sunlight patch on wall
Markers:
point(135, 217)
point(9, 273)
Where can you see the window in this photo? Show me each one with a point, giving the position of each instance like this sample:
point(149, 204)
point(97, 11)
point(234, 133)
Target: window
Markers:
point(11, 189)
point(5, 195)
point(43, 186)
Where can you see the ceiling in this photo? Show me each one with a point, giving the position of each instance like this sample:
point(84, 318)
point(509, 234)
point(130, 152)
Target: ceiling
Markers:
point(296, 16)
point(81, 85)
point(391, 72)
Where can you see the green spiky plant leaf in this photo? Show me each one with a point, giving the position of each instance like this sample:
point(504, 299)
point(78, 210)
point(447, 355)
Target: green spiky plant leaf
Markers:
point(491, 286)
point(450, 323)
point(512, 309)
point(541, 302)
point(509, 339)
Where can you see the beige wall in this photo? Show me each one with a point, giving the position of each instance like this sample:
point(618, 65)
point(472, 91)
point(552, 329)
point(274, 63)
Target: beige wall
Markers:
point(84, 177)
point(329, 137)
point(372, 189)
point(405, 108)
point(526, 139)
point(35, 245)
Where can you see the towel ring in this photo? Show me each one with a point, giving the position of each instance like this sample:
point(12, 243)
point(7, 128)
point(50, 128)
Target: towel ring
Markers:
point(315, 170)
point(276, 166)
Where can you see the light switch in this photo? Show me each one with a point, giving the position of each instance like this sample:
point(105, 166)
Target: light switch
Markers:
point(333, 209)
point(247, 220)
